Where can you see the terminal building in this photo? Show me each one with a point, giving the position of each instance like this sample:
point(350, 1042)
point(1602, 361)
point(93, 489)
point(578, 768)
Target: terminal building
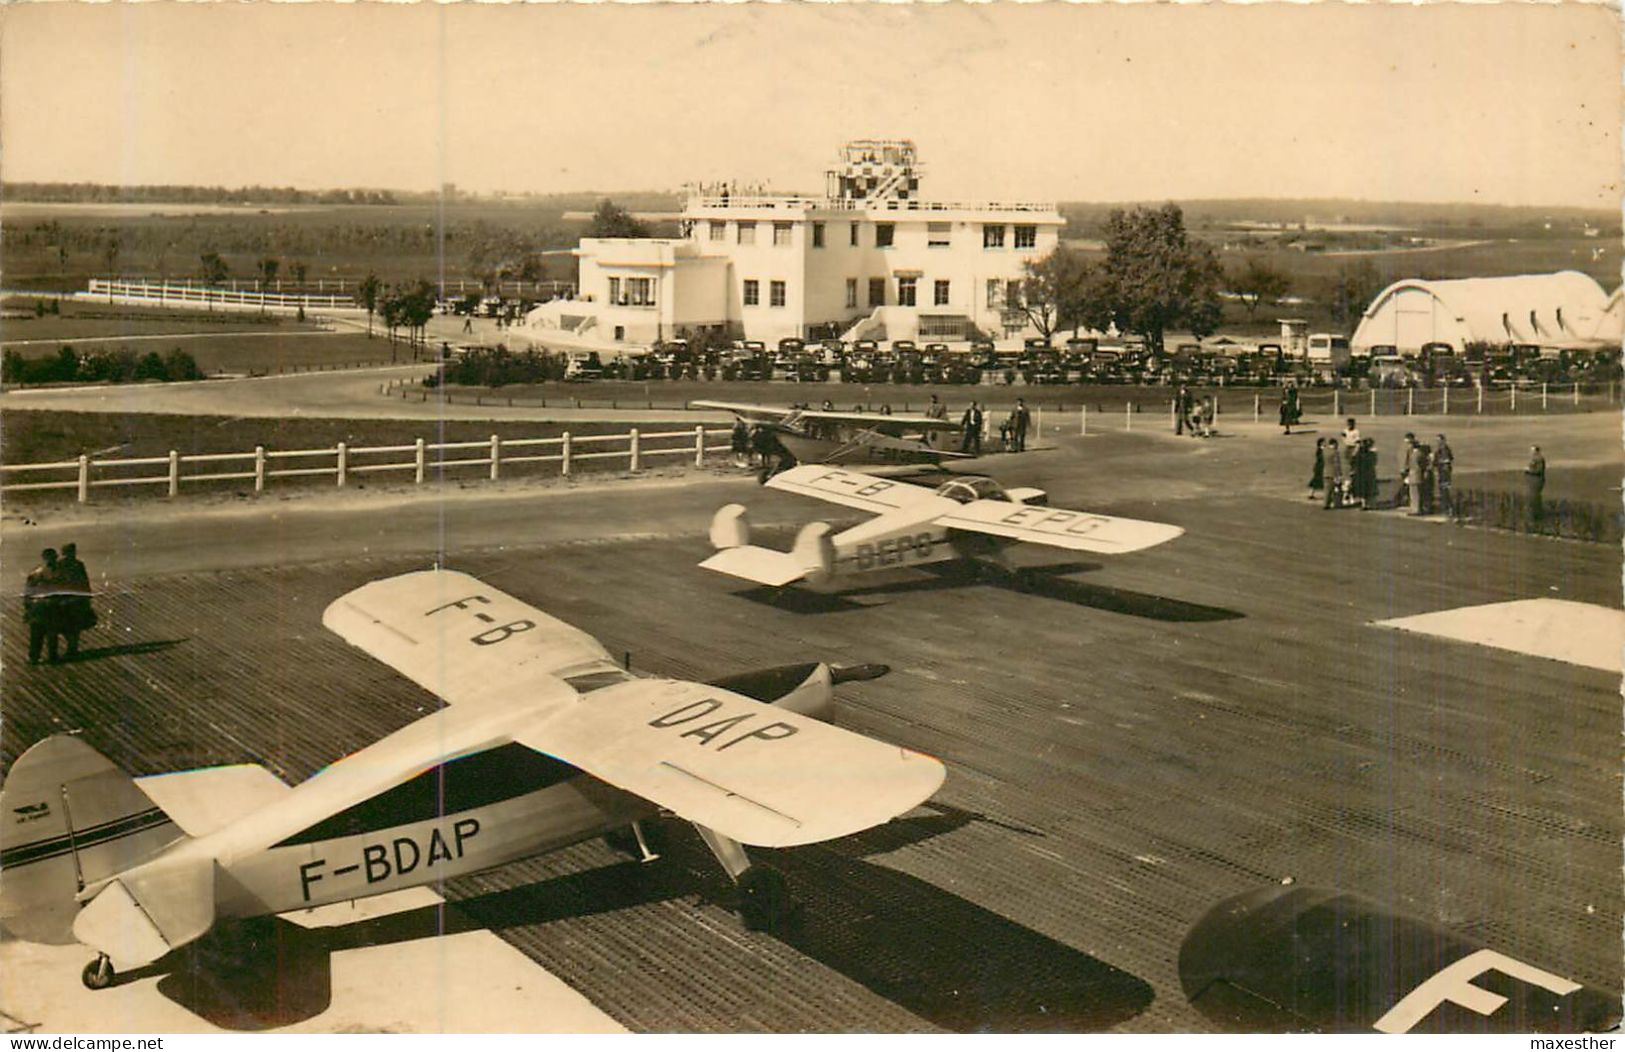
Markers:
point(1561, 310)
point(870, 258)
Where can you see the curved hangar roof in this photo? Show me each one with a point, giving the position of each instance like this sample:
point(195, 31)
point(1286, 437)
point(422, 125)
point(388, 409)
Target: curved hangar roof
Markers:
point(1548, 309)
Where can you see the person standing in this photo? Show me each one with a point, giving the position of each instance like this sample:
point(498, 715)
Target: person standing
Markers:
point(1444, 465)
point(1317, 480)
point(1289, 408)
point(739, 443)
point(40, 608)
point(1182, 409)
point(77, 613)
point(1334, 476)
point(1022, 419)
point(1351, 441)
point(1407, 454)
point(1534, 484)
point(1414, 478)
point(970, 424)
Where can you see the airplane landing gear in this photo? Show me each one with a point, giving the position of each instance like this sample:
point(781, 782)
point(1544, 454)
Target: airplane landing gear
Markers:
point(98, 974)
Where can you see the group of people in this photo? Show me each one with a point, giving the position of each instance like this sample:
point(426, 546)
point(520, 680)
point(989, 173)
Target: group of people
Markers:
point(758, 446)
point(1195, 416)
point(1346, 470)
point(56, 605)
point(1012, 429)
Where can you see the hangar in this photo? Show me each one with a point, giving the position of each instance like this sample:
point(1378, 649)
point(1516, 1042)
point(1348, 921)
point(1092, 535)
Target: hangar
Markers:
point(1556, 310)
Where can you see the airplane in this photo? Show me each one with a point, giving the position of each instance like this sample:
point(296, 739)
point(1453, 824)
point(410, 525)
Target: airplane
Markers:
point(967, 517)
point(830, 436)
point(544, 741)
point(1288, 958)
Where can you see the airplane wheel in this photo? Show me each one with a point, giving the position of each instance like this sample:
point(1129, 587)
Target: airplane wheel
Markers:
point(764, 899)
point(98, 974)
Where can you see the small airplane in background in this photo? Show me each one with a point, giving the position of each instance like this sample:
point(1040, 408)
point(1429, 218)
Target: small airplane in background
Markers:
point(967, 517)
point(830, 436)
point(545, 741)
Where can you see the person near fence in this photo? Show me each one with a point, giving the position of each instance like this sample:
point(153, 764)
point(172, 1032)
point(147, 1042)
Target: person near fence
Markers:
point(1415, 477)
point(1534, 484)
point(1291, 411)
point(77, 613)
point(1407, 456)
point(1351, 441)
point(1334, 475)
point(971, 427)
point(1317, 480)
point(1182, 409)
point(1444, 466)
point(1021, 419)
point(40, 608)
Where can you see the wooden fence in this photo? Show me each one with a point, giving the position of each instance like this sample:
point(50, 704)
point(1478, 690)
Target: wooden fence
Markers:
point(342, 462)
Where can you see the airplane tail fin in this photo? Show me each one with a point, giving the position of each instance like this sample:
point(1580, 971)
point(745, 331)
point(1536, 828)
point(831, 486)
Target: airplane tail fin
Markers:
point(69, 819)
point(814, 552)
point(730, 528)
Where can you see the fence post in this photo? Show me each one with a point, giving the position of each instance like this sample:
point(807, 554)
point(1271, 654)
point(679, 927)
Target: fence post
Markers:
point(84, 479)
point(1543, 396)
point(636, 451)
point(1173, 412)
point(1337, 401)
point(174, 473)
point(343, 463)
point(1373, 411)
point(1410, 401)
point(259, 469)
point(1479, 385)
point(1576, 392)
point(1083, 421)
point(1514, 396)
point(419, 461)
point(564, 449)
point(1128, 416)
point(1447, 398)
point(699, 445)
point(1257, 400)
point(1038, 423)
point(496, 457)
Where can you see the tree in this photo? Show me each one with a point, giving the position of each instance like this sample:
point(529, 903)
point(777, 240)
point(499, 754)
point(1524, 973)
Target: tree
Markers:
point(268, 268)
point(1156, 276)
point(1062, 290)
point(212, 268)
point(1350, 291)
point(366, 294)
point(1258, 282)
point(298, 270)
point(611, 220)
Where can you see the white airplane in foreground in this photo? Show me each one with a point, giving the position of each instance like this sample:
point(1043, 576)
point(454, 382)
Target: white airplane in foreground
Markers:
point(544, 742)
point(968, 517)
point(833, 436)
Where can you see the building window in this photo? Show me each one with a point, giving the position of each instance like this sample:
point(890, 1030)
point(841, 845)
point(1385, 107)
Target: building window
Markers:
point(1026, 237)
point(992, 236)
point(883, 234)
point(775, 294)
point(781, 234)
point(995, 293)
point(615, 290)
point(640, 292)
point(938, 235)
point(905, 292)
point(747, 233)
point(1012, 293)
point(877, 292)
point(854, 233)
point(753, 294)
point(939, 295)
point(818, 235)
point(851, 293)
point(719, 230)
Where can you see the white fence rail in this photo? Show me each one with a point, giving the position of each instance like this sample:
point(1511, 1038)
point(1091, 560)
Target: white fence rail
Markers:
point(182, 294)
point(343, 461)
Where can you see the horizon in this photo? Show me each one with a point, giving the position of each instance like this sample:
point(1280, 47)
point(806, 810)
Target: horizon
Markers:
point(1370, 105)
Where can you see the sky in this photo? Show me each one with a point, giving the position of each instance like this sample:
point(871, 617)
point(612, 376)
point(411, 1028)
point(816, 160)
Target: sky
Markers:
point(1507, 103)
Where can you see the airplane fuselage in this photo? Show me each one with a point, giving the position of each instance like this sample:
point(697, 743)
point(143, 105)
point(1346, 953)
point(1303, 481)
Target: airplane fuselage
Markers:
point(906, 538)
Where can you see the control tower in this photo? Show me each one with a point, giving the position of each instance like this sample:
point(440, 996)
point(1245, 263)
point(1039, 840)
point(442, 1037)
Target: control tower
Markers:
point(875, 170)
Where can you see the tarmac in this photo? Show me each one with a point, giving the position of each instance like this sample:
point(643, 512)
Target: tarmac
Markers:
point(1129, 740)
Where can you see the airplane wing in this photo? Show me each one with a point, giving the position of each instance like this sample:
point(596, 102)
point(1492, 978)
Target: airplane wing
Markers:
point(1076, 530)
point(758, 774)
point(465, 641)
point(889, 423)
point(752, 772)
point(852, 488)
point(754, 413)
point(211, 798)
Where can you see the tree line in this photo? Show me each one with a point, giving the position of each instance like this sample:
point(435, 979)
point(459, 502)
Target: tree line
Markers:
point(120, 366)
point(102, 193)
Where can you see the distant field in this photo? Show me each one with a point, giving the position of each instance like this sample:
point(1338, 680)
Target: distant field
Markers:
point(81, 319)
point(256, 354)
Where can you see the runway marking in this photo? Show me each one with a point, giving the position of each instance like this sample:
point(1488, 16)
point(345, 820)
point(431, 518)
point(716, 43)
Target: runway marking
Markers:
point(1560, 629)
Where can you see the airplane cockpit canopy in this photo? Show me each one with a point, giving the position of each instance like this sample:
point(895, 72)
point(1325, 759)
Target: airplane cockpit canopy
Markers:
point(966, 490)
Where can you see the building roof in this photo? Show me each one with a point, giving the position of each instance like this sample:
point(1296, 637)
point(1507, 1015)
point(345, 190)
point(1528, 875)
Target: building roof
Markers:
point(1521, 308)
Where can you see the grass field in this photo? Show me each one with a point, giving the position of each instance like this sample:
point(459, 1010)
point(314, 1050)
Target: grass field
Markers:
point(80, 319)
point(253, 353)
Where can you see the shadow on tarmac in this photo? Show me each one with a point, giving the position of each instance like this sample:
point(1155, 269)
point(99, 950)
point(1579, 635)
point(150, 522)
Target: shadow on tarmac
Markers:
point(951, 962)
